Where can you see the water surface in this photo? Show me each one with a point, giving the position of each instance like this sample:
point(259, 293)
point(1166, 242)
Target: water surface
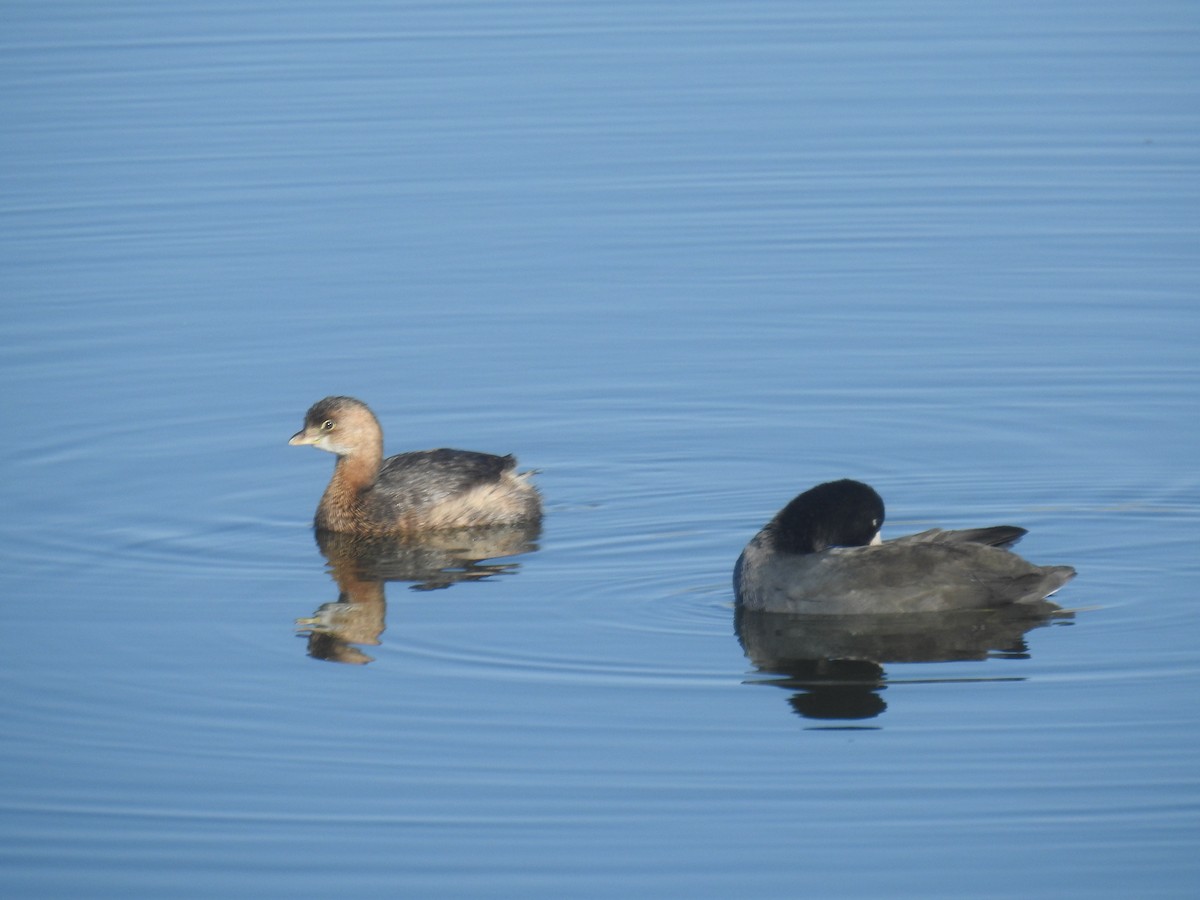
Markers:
point(684, 260)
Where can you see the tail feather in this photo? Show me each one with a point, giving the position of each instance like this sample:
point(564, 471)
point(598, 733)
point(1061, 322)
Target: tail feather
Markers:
point(1003, 536)
point(993, 536)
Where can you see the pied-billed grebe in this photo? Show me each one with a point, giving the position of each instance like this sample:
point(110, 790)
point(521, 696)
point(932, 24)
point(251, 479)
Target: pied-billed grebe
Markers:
point(822, 554)
point(410, 492)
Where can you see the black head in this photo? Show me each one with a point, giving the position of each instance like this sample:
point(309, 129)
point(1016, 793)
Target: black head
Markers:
point(835, 514)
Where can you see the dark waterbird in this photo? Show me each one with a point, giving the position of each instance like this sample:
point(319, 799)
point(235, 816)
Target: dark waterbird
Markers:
point(822, 554)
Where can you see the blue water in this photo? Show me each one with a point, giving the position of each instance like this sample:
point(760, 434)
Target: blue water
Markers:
point(685, 260)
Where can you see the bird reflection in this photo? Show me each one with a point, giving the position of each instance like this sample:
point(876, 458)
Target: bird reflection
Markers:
point(835, 664)
point(361, 566)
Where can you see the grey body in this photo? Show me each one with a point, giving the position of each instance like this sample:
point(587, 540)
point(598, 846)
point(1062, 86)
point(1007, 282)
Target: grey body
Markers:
point(428, 477)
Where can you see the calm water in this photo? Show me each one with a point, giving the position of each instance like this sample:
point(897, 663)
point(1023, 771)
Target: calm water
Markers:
point(686, 260)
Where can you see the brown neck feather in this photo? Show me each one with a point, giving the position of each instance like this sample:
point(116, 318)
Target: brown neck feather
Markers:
point(351, 475)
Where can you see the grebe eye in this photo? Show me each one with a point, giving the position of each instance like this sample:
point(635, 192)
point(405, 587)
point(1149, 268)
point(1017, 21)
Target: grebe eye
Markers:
point(327, 425)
